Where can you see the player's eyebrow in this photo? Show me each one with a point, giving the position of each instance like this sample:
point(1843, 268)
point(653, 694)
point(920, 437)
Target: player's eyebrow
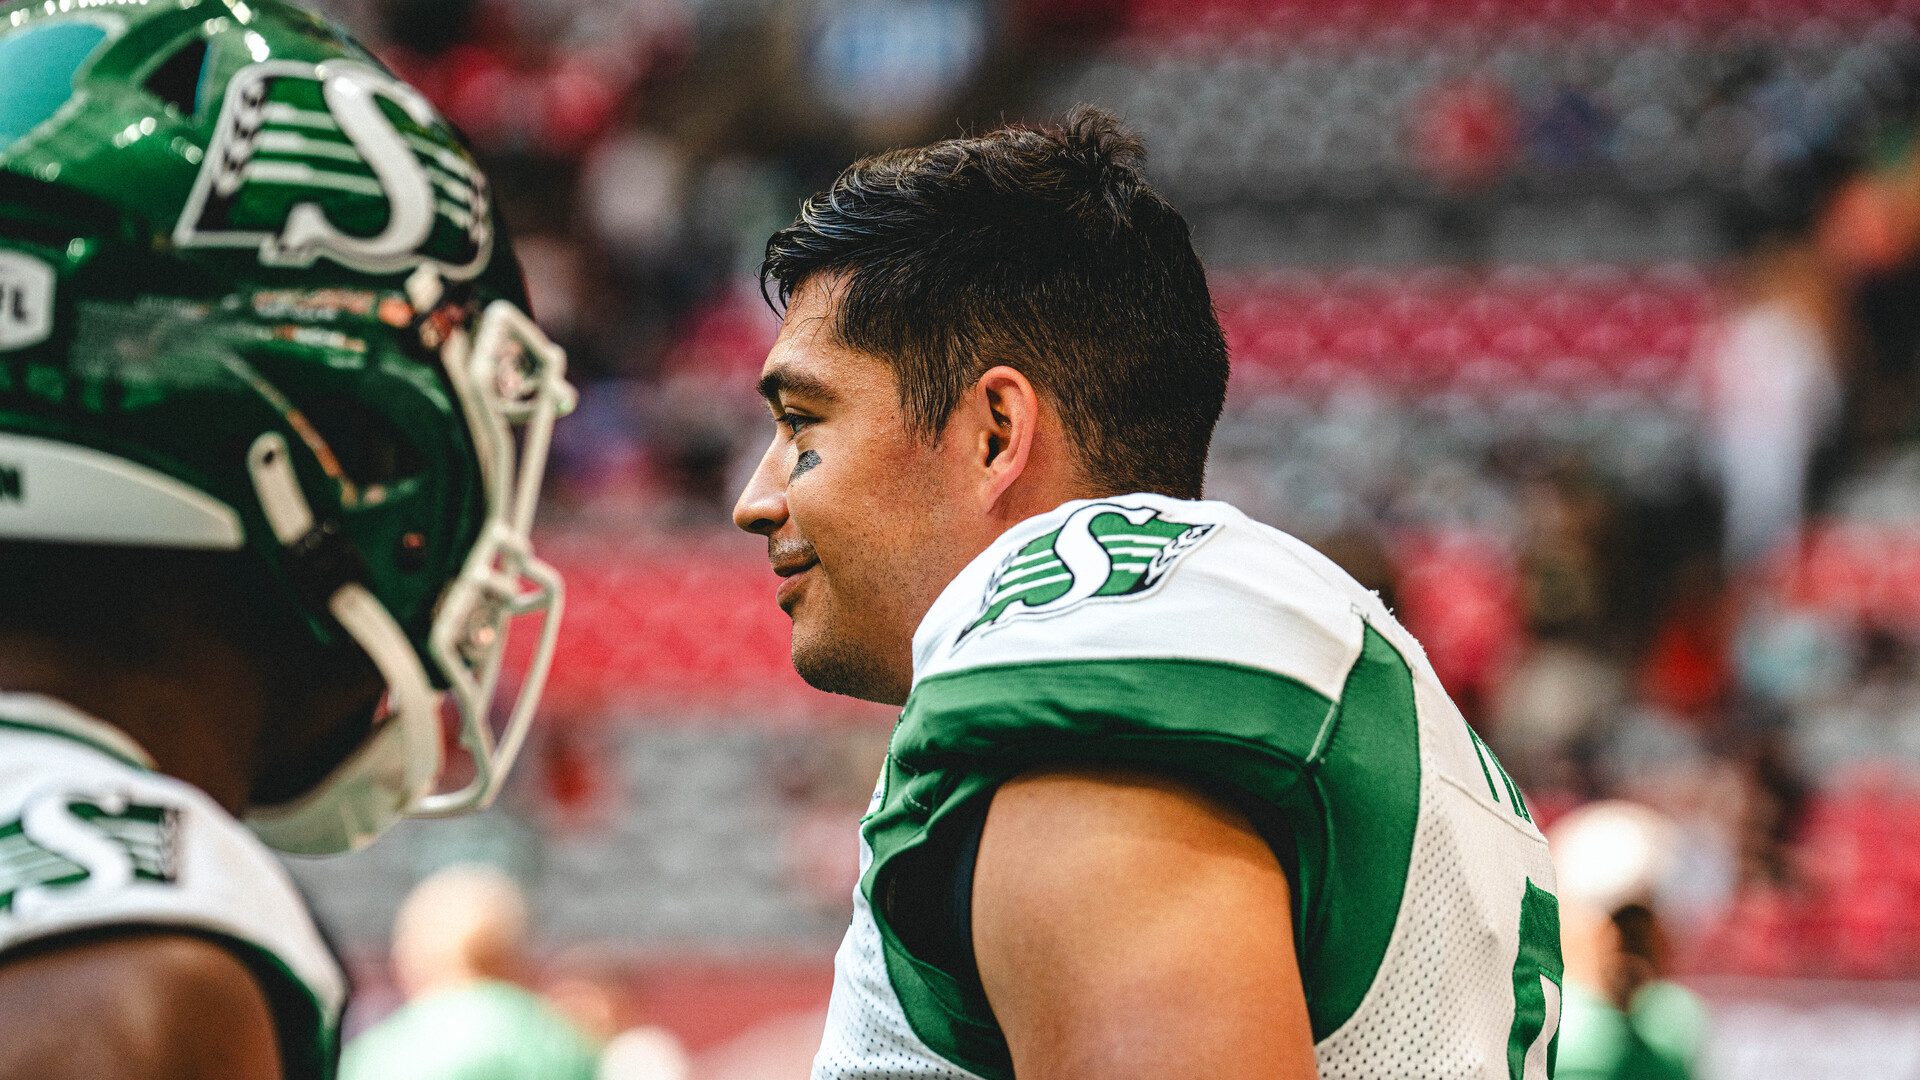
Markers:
point(784, 380)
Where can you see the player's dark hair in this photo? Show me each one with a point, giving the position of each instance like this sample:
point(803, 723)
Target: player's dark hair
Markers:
point(1039, 248)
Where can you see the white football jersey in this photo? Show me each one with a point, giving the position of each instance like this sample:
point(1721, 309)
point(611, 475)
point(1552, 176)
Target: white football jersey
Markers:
point(91, 839)
point(1179, 635)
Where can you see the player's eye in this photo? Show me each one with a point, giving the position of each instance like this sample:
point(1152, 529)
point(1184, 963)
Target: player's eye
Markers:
point(794, 422)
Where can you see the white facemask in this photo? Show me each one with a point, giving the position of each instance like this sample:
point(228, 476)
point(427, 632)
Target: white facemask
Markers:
point(506, 375)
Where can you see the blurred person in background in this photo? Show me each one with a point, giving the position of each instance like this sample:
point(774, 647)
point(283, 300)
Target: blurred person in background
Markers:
point(1565, 688)
point(1621, 1019)
point(263, 509)
point(459, 951)
point(1816, 359)
point(1172, 795)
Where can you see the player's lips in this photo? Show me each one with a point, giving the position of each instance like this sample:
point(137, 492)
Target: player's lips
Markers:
point(789, 591)
point(791, 560)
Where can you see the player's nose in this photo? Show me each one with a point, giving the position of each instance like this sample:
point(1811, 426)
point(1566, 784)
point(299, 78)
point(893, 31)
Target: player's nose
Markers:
point(762, 506)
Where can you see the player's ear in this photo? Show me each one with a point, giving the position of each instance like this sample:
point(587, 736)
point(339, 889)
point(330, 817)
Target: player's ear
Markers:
point(1007, 412)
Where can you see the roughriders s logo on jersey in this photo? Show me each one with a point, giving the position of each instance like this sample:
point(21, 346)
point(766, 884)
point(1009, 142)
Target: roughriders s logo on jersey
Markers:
point(338, 160)
point(71, 844)
point(1103, 550)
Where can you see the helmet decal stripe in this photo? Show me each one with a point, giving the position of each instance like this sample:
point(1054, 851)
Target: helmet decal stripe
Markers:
point(294, 144)
point(295, 174)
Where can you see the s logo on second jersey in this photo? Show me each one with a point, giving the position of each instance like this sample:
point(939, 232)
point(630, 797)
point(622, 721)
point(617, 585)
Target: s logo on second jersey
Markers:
point(1102, 550)
point(67, 845)
point(341, 161)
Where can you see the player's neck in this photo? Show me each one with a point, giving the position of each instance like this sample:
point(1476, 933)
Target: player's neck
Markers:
point(197, 712)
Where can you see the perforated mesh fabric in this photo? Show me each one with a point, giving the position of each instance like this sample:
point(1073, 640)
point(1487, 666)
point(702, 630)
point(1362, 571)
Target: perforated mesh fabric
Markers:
point(1442, 1003)
point(868, 1037)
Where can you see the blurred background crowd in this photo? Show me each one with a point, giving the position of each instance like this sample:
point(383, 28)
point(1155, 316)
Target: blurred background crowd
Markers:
point(1586, 331)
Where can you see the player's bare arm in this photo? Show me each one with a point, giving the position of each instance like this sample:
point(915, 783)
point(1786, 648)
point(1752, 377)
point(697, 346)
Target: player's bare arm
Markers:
point(1130, 927)
point(142, 1006)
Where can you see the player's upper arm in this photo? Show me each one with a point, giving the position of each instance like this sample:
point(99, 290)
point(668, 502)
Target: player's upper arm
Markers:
point(1128, 926)
point(150, 1006)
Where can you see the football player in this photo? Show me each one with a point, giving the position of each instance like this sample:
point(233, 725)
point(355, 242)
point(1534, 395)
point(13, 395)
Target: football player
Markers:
point(1171, 795)
point(272, 428)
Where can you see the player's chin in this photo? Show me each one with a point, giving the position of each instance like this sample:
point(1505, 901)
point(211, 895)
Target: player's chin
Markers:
point(837, 666)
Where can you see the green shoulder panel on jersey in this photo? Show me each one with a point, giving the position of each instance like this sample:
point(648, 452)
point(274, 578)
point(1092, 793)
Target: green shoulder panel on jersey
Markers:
point(1339, 778)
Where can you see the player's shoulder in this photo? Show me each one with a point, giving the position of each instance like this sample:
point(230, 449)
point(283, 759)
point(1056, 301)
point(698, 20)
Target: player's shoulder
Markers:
point(1148, 576)
point(93, 840)
point(150, 1003)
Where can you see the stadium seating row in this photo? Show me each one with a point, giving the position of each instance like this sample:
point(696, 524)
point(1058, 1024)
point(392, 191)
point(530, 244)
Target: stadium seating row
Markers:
point(1176, 18)
point(1258, 103)
point(1581, 332)
point(1864, 571)
point(1849, 908)
point(680, 634)
point(699, 625)
point(1583, 329)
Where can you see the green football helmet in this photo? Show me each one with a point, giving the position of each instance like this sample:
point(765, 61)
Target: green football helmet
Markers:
point(254, 297)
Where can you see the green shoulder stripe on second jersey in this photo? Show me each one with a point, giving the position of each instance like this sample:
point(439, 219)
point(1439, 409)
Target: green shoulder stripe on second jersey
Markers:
point(1015, 708)
point(1342, 778)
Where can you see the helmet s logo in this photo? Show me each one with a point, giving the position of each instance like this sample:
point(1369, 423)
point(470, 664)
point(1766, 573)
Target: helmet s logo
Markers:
point(338, 161)
point(26, 301)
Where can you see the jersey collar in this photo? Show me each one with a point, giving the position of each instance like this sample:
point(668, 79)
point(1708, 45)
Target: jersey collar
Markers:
point(56, 717)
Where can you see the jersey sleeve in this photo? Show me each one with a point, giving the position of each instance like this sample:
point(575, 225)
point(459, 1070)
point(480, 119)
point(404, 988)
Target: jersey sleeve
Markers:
point(89, 844)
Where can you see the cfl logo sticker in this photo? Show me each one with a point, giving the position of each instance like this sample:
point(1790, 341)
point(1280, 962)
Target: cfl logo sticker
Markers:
point(26, 301)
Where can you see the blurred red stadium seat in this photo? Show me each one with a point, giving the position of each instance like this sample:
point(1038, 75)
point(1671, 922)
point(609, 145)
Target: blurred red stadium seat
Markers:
point(659, 627)
point(1581, 332)
point(1863, 571)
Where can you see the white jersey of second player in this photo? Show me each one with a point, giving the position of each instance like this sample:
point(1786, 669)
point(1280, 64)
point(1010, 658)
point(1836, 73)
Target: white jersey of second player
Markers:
point(93, 841)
